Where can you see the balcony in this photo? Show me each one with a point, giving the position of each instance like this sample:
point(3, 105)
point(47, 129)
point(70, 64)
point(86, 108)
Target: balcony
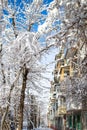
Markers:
point(62, 110)
point(53, 99)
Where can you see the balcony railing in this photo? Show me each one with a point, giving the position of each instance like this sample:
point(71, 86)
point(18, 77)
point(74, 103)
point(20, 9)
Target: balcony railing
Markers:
point(62, 110)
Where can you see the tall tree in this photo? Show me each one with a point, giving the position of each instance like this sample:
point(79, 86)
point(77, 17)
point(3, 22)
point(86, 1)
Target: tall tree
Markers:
point(73, 33)
point(21, 50)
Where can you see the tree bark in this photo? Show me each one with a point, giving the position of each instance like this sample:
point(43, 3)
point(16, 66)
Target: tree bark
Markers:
point(3, 118)
point(22, 97)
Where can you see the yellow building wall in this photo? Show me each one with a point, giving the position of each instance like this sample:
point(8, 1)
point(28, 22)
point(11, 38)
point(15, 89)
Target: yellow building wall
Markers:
point(62, 74)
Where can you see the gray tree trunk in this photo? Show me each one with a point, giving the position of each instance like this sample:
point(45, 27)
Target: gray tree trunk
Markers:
point(22, 97)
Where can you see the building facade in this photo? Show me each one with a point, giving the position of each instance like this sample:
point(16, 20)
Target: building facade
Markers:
point(68, 108)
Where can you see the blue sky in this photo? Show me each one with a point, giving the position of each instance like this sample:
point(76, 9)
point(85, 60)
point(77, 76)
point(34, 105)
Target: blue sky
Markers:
point(19, 3)
point(20, 16)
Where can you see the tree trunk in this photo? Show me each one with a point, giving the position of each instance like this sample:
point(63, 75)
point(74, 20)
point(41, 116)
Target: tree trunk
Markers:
point(3, 118)
point(22, 97)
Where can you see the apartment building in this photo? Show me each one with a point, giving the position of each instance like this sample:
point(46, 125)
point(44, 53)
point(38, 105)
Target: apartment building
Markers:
point(69, 112)
point(76, 99)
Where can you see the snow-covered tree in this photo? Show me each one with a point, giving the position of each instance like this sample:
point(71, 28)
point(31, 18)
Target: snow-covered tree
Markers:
point(73, 33)
point(20, 53)
point(73, 16)
point(64, 20)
